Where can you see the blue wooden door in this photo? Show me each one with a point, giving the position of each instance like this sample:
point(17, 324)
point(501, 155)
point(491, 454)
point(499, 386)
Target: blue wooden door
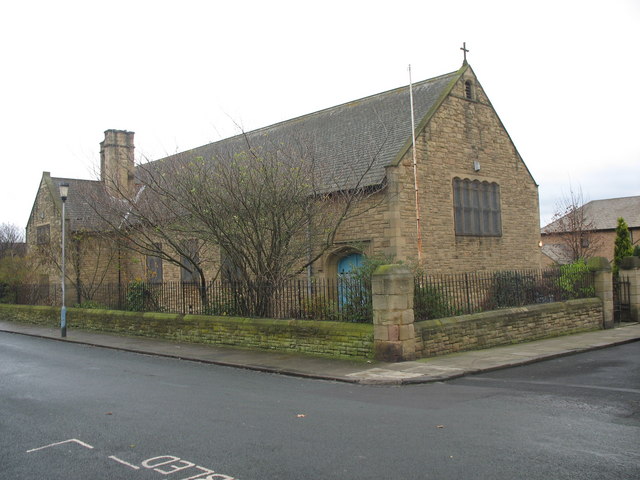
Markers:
point(346, 265)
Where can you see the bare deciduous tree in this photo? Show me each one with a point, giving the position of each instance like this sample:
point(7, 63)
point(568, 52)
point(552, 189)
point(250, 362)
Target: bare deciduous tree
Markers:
point(152, 222)
point(572, 226)
point(10, 237)
point(90, 262)
point(89, 258)
point(268, 209)
point(265, 210)
point(14, 267)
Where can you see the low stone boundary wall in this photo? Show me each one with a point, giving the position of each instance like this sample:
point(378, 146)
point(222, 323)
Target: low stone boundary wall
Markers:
point(508, 326)
point(334, 339)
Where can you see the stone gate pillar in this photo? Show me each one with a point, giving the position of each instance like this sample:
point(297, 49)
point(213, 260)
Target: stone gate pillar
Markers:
point(630, 268)
point(392, 297)
point(603, 283)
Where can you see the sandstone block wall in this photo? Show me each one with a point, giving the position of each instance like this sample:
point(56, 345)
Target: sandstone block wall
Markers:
point(461, 133)
point(45, 212)
point(508, 326)
point(393, 316)
point(333, 339)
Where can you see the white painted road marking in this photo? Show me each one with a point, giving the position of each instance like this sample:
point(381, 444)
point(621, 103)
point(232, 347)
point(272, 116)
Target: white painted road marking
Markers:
point(205, 471)
point(173, 464)
point(113, 457)
point(172, 459)
point(169, 463)
point(75, 440)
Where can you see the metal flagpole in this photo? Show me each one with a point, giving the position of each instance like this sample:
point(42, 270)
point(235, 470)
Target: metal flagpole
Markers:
point(415, 171)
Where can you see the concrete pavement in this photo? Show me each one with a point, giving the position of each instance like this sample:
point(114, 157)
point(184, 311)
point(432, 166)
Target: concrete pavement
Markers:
point(371, 372)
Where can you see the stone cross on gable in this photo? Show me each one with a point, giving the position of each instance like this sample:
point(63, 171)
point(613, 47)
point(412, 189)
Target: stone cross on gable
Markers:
point(465, 51)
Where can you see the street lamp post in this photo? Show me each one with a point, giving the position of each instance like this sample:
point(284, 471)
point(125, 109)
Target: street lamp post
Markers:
point(64, 191)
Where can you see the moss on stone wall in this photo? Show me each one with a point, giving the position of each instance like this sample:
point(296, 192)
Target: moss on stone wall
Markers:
point(507, 326)
point(333, 339)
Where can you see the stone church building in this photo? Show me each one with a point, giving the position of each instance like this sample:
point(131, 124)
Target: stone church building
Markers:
point(467, 201)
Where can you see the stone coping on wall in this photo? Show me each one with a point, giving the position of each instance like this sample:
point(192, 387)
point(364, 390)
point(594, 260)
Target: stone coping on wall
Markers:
point(331, 339)
point(506, 313)
point(507, 326)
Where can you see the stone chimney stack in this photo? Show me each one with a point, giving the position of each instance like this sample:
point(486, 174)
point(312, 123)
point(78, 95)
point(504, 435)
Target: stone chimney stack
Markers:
point(117, 162)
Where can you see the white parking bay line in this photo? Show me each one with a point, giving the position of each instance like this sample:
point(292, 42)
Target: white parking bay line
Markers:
point(75, 440)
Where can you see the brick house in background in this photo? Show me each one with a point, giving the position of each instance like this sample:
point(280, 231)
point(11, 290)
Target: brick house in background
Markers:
point(602, 218)
point(478, 202)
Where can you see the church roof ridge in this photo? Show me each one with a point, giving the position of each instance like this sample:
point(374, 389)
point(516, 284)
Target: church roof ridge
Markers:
point(352, 142)
point(354, 101)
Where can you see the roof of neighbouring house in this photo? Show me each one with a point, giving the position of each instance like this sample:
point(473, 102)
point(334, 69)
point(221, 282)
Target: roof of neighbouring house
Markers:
point(604, 214)
point(561, 254)
point(351, 143)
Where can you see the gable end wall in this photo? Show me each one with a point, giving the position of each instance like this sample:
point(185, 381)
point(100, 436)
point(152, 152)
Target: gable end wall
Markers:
point(460, 132)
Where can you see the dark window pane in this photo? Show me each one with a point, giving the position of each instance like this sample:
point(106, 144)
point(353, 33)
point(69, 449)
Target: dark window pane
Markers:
point(476, 208)
point(189, 260)
point(154, 266)
point(43, 234)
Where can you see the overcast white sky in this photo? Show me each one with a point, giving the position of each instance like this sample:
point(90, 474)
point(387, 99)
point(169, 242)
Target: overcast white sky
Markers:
point(563, 75)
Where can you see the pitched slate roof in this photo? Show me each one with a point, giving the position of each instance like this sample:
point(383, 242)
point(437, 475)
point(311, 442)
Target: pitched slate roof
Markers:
point(351, 143)
point(604, 214)
point(79, 214)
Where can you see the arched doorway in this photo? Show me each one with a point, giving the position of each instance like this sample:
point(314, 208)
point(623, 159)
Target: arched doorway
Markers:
point(349, 288)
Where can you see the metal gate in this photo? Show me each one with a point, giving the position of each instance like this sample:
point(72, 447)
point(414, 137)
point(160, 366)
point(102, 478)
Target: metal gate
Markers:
point(621, 299)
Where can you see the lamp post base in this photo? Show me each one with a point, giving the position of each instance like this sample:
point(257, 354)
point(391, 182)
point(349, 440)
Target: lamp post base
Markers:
point(63, 322)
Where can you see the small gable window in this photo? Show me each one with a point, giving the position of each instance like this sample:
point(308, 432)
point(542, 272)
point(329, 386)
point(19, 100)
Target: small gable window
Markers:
point(230, 273)
point(468, 90)
point(476, 208)
point(154, 265)
point(190, 260)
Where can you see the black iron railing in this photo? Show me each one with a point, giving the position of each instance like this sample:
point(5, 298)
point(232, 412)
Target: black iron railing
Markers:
point(346, 299)
point(621, 299)
point(438, 296)
point(343, 299)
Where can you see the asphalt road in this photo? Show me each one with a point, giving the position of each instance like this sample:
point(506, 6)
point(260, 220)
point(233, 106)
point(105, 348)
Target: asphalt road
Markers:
point(70, 411)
